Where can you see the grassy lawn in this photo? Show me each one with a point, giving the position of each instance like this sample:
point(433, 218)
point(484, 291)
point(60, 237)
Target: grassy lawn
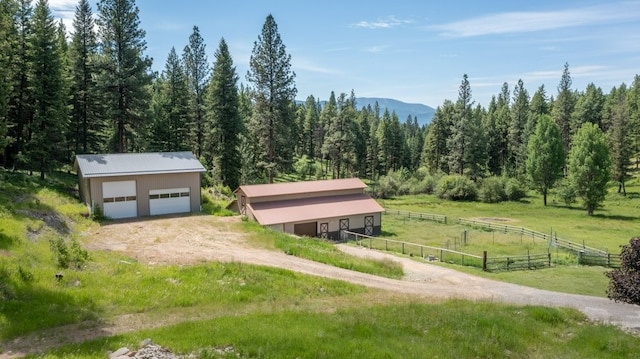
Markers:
point(273, 313)
point(454, 329)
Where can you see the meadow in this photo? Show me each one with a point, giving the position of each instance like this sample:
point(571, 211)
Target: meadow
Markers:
point(257, 312)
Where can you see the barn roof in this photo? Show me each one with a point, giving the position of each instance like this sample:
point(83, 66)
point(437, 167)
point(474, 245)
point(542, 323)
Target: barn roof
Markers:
point(129, 164)
point(276, 189)
point(313, 209)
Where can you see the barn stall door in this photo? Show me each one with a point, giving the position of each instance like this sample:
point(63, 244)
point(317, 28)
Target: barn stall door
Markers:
point(119, 199)
point(170, 200)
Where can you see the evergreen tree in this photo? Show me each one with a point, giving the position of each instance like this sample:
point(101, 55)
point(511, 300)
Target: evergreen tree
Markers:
point(435, 151)
point(275, 92)
point(20, 104)
point(545, 156)
point(588, 108)
point(563, 108)
point(225, 124)
point(123, 71)
point(539, 106)
point(519, 117)
point(373, 145)
point(459, 140)
point(170, 126)
point(310, 127)
point(338, 142)
point(8, 37)
point(589, 166)
point(363, 131)
point(197, 71)
point(633, 111)
point(328, 115)
point(620, 142)
point(87, 124)
point(44, 146)
point(476, 152)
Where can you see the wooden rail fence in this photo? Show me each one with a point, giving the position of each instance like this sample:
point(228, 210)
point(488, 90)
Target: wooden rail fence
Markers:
point(429, 253)
point(426, 216)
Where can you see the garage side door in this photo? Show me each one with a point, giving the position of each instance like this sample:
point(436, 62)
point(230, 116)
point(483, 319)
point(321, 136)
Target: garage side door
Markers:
point(170, 200)
point(119, 199)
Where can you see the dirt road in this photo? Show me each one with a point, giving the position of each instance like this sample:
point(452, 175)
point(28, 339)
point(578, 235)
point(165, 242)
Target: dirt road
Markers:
point(194, 239)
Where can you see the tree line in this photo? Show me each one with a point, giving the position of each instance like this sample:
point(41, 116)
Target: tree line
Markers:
point(95, 92)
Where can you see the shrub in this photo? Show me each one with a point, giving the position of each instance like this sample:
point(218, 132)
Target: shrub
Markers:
point(624, 284)
point(492, 190)
point(457, 188)
point(514, 190)
point(566, 192)
point(68, 255)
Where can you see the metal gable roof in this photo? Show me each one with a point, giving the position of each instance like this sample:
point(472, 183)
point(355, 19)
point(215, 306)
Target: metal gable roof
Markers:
point(278, 189)
point(313, 209)
point(128, 164)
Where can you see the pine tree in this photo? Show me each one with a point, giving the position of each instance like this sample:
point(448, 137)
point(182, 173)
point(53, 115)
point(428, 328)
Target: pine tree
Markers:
point(458, 141)
point(20, 104)
point(170, 126)
point(539, 106)
point(435, 151)
point(123, 71)
point(545, 156)
point(620, 142)
point(310, 127)
point(275, 92)
point(338, 143)
point(476, 156)
point(589, 166)
point(519, 116)
point(87, 124)
point(588, 108)
point(198, 72)
point(223, 117)
point(633, 111)
point(44, 146)
point(8, 37)
point(563, 108)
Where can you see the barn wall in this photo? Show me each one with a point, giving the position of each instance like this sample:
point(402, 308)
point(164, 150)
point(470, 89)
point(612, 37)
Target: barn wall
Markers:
point(146, 183)
point(356, 224)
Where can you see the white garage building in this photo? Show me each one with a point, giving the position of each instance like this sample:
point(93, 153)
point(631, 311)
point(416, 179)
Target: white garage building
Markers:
point(126, 185)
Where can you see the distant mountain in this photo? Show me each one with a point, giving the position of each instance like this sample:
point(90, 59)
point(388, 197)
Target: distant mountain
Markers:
point(424, 113)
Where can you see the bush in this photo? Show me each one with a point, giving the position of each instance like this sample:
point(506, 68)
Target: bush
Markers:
point(514, 190)
point(68, 255)
point(456, 188)
point(624, 284)
point(566, 192)
point(492, 190)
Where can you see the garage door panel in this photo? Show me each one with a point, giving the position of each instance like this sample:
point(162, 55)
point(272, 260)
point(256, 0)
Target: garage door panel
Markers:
point(119, 199)
point(170, 200)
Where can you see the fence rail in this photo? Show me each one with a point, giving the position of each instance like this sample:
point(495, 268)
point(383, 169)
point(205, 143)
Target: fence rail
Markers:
point(426, 216)
point(534, 261)
point(609, 260)
point(553, 240)
point(429, 253)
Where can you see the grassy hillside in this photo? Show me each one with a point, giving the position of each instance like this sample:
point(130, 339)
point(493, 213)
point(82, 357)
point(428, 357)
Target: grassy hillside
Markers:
point(256, 311)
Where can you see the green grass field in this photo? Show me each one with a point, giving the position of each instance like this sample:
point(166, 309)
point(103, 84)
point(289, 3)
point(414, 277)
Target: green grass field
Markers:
point(259, 311)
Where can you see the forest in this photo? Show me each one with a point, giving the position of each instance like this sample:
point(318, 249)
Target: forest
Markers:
point(90, 89)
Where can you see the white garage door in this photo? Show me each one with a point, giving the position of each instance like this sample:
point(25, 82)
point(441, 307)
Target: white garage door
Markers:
point(171, 200)
point(119, 199)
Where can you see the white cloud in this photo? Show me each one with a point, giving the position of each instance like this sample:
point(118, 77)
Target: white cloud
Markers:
point(519, 22)
point(386, 23)
point(64, 10)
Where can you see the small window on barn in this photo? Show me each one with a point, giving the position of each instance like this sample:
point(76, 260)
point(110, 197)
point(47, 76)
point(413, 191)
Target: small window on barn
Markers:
point(164, 195)
point(154, 196)
point(174, 195)
point(107, 200)
point(184, 194)
point(131, 198)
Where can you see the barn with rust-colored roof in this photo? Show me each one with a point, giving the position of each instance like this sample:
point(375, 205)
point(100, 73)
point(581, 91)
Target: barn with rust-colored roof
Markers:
point(312, 208)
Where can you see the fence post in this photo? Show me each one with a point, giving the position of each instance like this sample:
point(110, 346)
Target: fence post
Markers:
point(484, 261)
point(528, 259)
point(402, 247)
point(549, 254)
point(422, 251)
point(370, 244)
point(608, 259)
point(441, 259)
point(386, 245)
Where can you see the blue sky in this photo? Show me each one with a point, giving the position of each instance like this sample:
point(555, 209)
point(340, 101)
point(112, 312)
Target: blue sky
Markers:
point(413, 51)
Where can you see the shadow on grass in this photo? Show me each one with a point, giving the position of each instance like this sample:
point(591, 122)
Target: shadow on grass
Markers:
point(616, 217)
point(30, 308)
point(6, 242)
